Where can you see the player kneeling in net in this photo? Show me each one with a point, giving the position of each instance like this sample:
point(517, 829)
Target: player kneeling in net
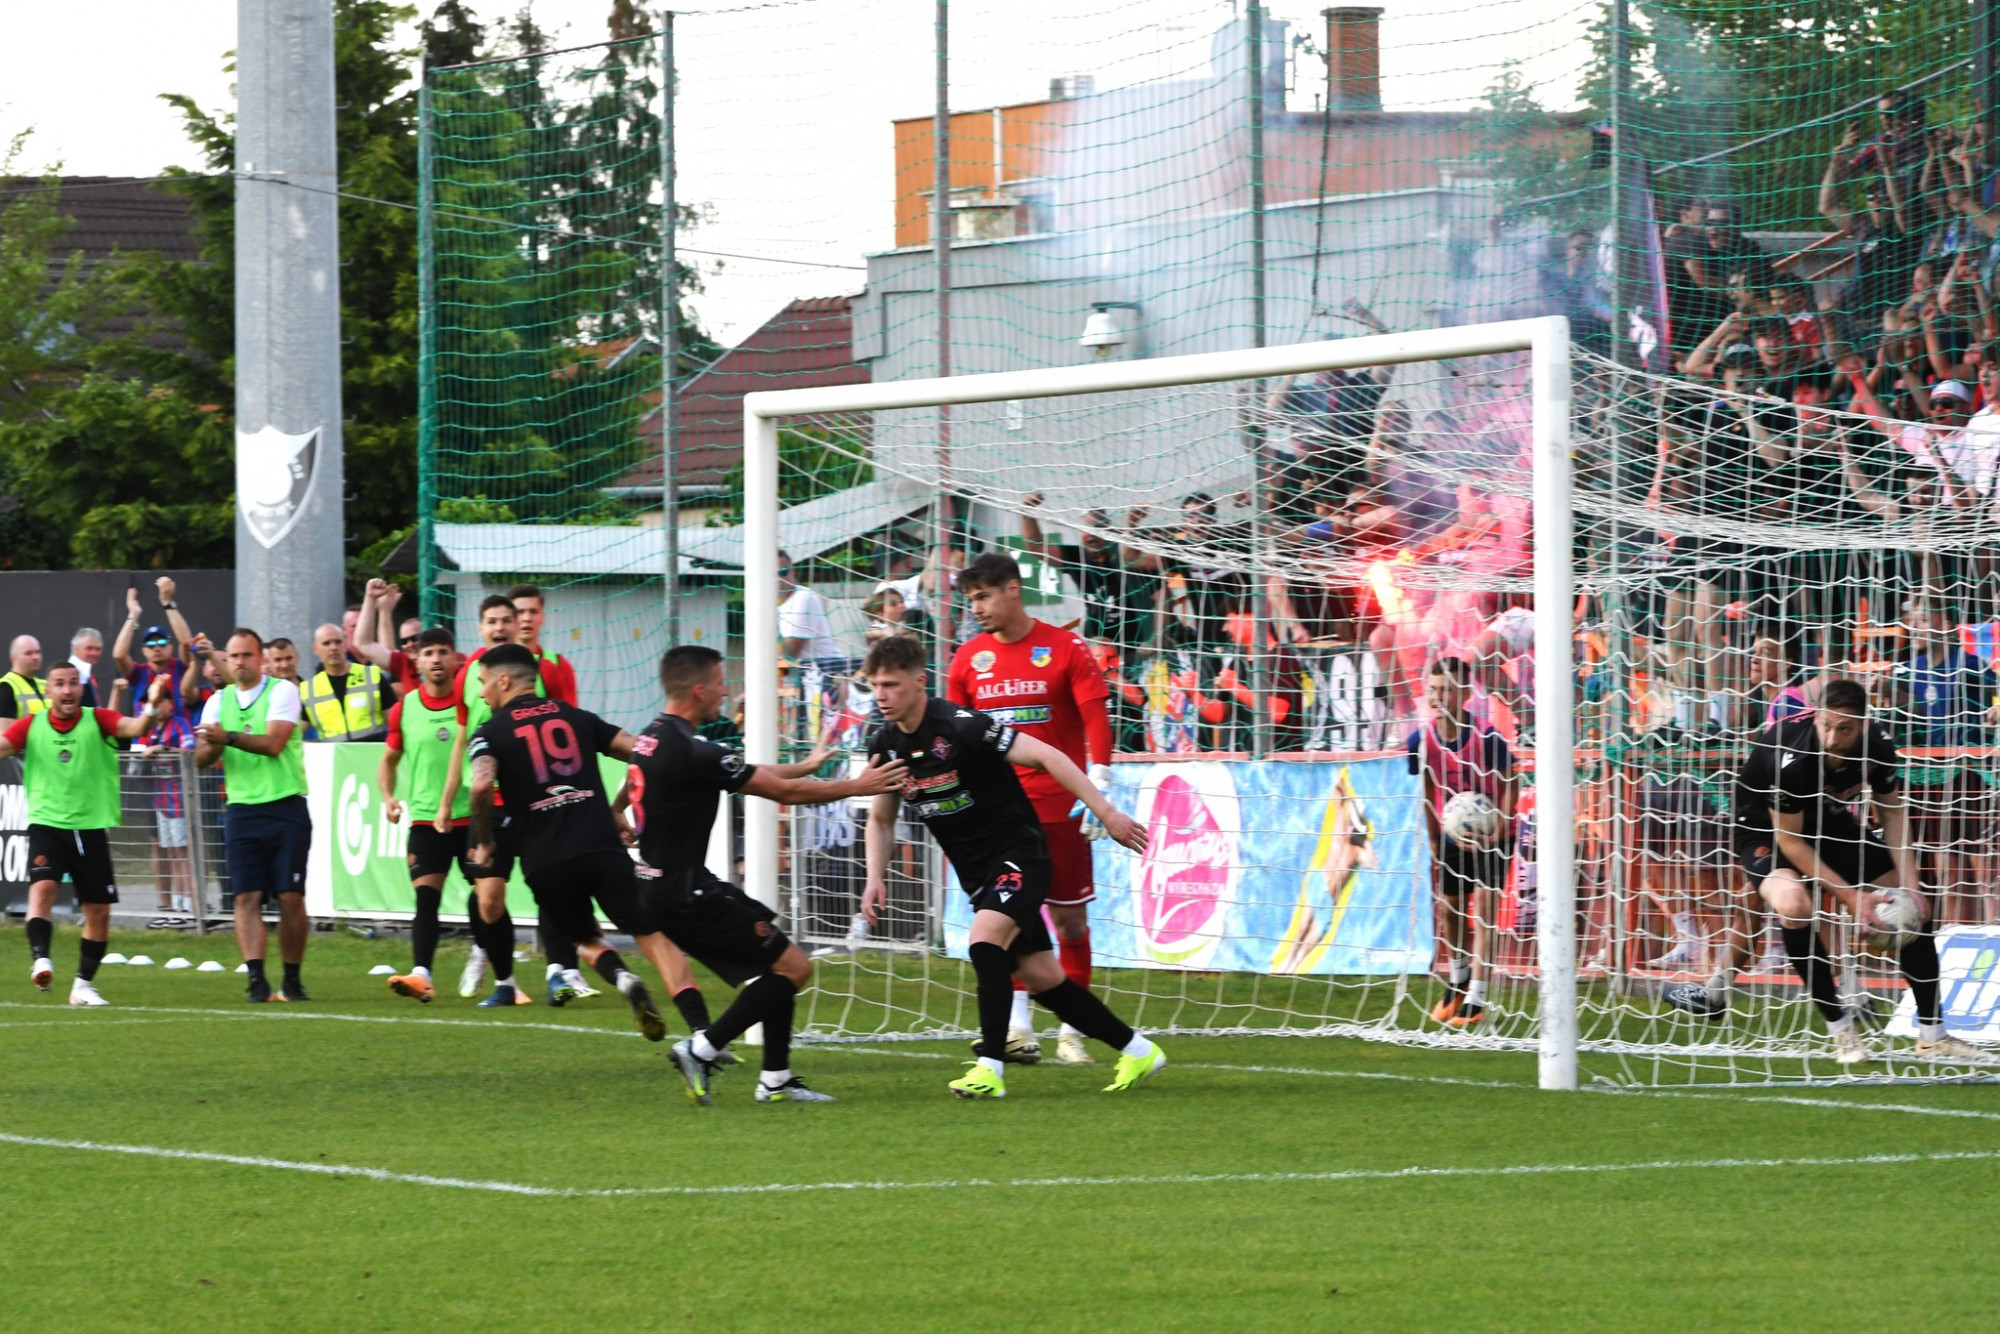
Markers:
point(674, 786)
point(962, 785)
point(1796, 838)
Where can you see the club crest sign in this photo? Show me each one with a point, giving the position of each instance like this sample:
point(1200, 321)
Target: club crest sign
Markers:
point(274, 475)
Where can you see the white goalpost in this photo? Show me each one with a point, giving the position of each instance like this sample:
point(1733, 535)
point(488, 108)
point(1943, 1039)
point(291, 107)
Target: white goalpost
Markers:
point(1547, 345)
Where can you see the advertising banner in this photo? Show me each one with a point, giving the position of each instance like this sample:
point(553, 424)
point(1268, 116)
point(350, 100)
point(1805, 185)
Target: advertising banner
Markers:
point(1267, 867)
point(1969, 991)
point(358, 865)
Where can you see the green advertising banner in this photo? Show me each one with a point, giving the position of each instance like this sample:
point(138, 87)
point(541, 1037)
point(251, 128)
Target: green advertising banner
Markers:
point(365, 860)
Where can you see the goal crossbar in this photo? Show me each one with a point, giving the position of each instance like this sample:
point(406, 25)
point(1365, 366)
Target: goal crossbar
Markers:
point(1546, 340)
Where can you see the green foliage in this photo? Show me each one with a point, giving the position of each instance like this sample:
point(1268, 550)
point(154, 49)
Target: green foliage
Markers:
point(813, 461)
point(51, 305)
point(116, 475)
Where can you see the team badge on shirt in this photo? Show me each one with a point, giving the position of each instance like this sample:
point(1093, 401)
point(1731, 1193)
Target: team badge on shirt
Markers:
point(941, 748)
point(1041, 655)
point(982, 661)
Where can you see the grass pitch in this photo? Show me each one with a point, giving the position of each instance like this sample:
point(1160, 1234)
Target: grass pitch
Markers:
point(363, 1162)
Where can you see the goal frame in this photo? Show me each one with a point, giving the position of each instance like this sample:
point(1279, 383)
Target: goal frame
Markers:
point(1546, 340)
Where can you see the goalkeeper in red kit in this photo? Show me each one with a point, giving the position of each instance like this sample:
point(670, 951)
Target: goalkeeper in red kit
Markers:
point(1044, 683)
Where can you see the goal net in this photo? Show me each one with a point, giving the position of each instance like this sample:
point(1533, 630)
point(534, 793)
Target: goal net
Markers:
point(1270, 554)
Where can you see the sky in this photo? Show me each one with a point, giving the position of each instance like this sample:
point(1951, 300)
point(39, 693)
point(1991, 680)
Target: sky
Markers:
point(786, 107)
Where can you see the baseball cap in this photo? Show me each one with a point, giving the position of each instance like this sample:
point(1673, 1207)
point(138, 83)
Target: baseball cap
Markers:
point(156, 634)
point(1951, 389)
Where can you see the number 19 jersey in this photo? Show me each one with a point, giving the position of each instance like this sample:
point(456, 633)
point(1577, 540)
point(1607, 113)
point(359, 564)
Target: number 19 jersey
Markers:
point(547, 752)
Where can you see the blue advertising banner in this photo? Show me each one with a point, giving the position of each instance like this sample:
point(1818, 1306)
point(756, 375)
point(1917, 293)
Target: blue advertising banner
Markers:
point(1969, 971)
point(1261, 866)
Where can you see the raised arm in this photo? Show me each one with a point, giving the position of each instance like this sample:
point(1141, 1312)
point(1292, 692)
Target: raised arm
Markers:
point(175, 621)
point(121, 648)
point(1029, 753)
point(158, 708)
point(375, 629)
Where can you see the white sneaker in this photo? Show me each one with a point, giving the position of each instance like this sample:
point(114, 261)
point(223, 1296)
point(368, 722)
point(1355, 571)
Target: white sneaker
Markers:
point(83, 993)
point(42, 974)
point(1071, 1051)
point(582, 988)
point(1848, 1047)
point(1949, 1048)
point(1680, 956)
point(475, 973)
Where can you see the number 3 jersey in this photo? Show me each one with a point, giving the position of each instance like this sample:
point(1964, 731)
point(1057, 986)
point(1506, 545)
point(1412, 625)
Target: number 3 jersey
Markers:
point(962, 787)
point(547, 753)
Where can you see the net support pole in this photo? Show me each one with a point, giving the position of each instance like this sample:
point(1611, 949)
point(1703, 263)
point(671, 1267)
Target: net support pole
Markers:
point(1555, 704)
point(427, 591)
point(1260, 611)
point(670, 319)
point(760, 645)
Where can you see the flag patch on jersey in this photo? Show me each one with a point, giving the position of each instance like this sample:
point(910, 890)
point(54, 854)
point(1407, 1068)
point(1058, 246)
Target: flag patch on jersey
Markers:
point(1041, 655)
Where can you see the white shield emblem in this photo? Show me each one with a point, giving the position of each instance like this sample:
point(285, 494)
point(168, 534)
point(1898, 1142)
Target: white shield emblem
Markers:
point(274, 475)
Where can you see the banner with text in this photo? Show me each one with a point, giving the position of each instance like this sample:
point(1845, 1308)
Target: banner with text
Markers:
point(1266, 867)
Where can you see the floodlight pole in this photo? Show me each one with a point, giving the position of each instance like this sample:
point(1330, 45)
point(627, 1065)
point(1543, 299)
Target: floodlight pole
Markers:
point(1547, 339)
point(670, 319)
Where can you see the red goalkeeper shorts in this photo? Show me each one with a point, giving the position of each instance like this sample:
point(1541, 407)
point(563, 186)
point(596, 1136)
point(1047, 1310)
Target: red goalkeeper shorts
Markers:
point(1069, 856)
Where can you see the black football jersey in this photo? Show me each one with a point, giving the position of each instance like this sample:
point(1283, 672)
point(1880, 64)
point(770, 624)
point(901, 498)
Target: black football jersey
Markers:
point(677, 779)
point(961, 786)
point(1789, 771)
point(547, 753)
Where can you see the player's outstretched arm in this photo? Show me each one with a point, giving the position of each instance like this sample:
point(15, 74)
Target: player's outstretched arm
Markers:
point(879, 839)
point(880, 778)
point(804, 768)
point(158, 707)
point(1032, 754)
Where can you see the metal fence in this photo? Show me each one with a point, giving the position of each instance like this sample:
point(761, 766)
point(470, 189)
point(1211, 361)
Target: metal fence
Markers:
point(168, 846)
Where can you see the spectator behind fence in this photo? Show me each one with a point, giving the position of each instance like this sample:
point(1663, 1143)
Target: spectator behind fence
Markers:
point(281, 659)
point(23, 693)
point(86, 646)
point(805, 631)
point(345, 700)
point(159, 764)
point(163, 653)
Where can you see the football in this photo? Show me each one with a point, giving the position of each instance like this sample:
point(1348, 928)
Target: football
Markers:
point(1895, 920)
point(1471, 820)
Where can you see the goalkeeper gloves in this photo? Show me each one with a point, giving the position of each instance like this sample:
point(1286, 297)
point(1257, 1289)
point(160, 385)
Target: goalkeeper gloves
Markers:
point(1093, 828)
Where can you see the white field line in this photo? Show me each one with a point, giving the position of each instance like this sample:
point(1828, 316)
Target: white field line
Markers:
point(1017, 1183)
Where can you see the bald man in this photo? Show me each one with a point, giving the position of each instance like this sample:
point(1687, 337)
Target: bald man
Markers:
point(23, 693)
point(345, 700)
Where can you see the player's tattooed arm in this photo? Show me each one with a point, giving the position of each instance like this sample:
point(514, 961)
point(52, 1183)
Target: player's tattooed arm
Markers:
point(1032, 754)
point(485, 773)
point(880, 841)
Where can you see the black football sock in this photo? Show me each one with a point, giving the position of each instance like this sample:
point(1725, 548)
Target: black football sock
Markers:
point(497, 939)
point(256, 969)
point(89, 956)
point(780, 998)
point(1919, 962)
point(292, 980)
point(561, 953)
point(746, 1009)
point(994, 968)
point(1810, 961)
point(41, 935)
point(609, 965)
point(1086, 1014)
point(693, 1007)
point(424, 927)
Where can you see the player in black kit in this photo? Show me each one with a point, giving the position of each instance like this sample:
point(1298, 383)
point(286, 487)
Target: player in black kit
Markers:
point(676, 782)
point(1796, 834)
point(962, 784)
point(543, 754)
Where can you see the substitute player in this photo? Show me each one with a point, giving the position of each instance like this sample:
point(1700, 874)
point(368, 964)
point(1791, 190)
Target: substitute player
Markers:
point(962, 783)
point(558, 675)
point(423, 729)
point(542, 753)
point(69, 766)
point(1797, 839)
point(250, 726)
point(676, 782)
point(1044, 683)
point(1453, 754)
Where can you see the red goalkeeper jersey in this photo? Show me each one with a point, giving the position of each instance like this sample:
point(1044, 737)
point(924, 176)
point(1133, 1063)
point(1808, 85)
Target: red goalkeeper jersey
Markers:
point(1045, 685)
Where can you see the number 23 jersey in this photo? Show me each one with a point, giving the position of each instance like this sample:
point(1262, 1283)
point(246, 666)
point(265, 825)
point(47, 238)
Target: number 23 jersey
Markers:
point(962, 787)
point(547, 752)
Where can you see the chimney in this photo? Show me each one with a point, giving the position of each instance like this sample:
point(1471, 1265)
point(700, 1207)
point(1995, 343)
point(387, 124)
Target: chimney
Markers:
point(1353, 59)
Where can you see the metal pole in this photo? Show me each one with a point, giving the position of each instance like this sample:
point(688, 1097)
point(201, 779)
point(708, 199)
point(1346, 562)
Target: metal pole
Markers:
point(427, 591)
point(760, 646)
point(670, 320)
point(1260, 617)
point(1555, 692)
point(290, 552)
point(1619, 646)
point(941, 516)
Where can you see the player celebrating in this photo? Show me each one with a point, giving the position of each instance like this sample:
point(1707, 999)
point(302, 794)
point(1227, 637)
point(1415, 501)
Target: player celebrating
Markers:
point(1043, 683)
point(1797, 839)
point(962, 784)
point(541, 752)
point(251, 727)
point(1453, 755)
point(69, 765)
point(423, 727)
point(677, 780)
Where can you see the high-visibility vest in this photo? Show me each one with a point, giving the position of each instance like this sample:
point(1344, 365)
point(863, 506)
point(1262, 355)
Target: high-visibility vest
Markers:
point(31, 694)
point(354, 714)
